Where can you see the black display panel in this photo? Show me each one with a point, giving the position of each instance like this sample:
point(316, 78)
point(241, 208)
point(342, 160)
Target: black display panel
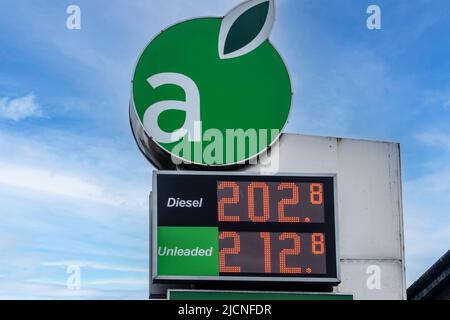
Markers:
point(268, 228)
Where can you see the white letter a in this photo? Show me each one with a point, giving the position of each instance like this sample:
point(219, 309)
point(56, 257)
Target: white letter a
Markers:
point(191, 106)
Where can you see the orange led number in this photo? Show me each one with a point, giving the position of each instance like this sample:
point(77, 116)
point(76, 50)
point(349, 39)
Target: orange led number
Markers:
point(267, 259)
point(233, 200)
point(288, 202)
point(226, 251)
point(251, 201)
point(316, 193)
point(318, 243)
point(289, 252)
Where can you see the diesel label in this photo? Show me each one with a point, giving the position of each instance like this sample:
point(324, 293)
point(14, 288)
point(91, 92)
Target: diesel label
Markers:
point(181, 203)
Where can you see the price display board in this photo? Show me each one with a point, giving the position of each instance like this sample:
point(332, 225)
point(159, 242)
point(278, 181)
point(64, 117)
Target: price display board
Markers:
point(242, 227)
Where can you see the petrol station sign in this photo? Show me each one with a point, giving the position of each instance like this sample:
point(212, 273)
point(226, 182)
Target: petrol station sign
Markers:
point(214, 94)
point(211, 91)
point(240, 227)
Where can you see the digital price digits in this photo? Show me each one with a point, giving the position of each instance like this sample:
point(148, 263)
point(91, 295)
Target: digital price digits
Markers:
point(283, 253)
point(261, 202)
point(272, 252)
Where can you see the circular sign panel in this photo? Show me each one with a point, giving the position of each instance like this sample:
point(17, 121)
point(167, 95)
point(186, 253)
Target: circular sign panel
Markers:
point(211, 91)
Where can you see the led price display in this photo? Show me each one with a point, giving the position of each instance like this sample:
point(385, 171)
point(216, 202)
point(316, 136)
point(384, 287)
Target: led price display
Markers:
point(286, 253)
point(223, 227)
point(263, 203)
point(284, 202)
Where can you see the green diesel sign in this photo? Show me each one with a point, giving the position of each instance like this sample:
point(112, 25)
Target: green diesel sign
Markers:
point(213, 91)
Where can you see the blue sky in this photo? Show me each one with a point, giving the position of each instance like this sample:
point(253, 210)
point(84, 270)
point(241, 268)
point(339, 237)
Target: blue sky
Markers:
point(74, 187)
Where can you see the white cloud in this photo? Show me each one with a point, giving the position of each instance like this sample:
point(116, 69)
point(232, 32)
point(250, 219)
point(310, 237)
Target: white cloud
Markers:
point(94, 265)
point(20, 108)
point(439, 98)
point(67, 165)
point(53, 182)
point(430, 186)
point(434, 139)
point(426, 240)
point(22, 290)
point(49, 290)
point(427, 214)
point(118, 281)
point(91, 284)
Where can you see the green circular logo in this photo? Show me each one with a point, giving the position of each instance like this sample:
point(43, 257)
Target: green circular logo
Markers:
point(212, 91)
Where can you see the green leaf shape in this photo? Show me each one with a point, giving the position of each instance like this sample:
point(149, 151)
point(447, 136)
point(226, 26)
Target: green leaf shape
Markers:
point(246, 27)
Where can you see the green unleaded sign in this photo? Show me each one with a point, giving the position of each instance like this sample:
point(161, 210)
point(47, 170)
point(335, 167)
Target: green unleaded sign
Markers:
point(212, 91)
point(196, 249)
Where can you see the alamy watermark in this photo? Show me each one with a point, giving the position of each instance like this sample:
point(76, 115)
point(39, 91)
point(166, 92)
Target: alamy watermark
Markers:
point(73, 21)
point(216, 148)
point(373, 281)
point(374, 20)
point(74, 279)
